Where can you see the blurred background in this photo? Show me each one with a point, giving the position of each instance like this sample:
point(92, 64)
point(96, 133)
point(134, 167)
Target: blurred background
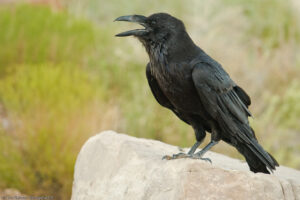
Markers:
point(64, 77)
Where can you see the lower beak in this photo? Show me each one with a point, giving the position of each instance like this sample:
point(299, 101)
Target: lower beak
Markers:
point(139, 19)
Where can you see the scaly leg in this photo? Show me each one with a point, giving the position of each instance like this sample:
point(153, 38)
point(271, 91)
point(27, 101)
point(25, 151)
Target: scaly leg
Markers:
point(204, 150)
point(200, 135)
point(191, 154)
point(183, 155)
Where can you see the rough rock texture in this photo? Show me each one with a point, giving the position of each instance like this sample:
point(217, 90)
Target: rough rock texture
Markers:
point(116, 166)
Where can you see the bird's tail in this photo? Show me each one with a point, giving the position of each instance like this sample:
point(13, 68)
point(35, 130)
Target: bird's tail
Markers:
point(246, 143)
point(257, 158)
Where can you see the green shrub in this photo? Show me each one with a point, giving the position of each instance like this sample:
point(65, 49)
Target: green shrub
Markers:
point(47, 96)
point(35, 34)
point(39, 151)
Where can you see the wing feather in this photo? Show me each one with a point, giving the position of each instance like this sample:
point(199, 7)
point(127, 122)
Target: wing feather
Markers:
point(216, 92)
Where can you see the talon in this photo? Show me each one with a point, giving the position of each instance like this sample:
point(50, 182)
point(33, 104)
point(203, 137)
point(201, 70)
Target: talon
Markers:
point(176, 156)
point(200, 158)
point(167, 157)
point(184, 155)
point(179, 155)
point(206, 159)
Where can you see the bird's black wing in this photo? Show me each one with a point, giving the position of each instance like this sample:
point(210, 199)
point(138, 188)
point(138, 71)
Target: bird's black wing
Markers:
point(242, 95)
point(216, 92)
point(160, 96)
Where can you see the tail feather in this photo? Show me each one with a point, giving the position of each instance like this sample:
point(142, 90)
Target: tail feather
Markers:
point(255, 161)
point(257, 158)
point(262, 155)
point(252, 160)
point(257, 149)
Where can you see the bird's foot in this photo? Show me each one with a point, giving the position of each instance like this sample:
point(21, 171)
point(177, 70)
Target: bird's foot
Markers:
point(184, 155)
point(176, 156)
point(196, 156)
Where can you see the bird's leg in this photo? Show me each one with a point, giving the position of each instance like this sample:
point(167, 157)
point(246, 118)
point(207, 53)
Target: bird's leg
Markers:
point(215, 138)
point(183, 155)
point(200, 135)
point(194, 148)
point(204, 150)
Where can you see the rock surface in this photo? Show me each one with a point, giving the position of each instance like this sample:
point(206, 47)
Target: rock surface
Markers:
point(116, 166)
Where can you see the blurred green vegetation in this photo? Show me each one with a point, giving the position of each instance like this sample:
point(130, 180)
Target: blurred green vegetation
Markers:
point(273, 21)
point(64, 77)
point(35, 35)
point(60, 83)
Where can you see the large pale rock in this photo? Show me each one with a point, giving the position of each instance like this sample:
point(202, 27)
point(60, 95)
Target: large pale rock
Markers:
point(116, 166)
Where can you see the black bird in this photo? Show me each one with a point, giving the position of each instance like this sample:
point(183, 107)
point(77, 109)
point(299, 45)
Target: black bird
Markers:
point(184, 79)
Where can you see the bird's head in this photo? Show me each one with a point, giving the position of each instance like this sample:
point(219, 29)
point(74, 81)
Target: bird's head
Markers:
point(157, 27)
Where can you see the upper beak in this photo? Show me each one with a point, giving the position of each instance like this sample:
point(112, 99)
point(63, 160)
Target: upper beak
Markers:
point(135, 19)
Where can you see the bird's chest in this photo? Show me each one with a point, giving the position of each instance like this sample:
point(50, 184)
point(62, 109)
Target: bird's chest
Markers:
point(176, 83)
point(173, 81)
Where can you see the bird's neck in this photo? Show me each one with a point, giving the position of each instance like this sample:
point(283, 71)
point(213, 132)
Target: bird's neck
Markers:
point(164, 53)
point(182, 48)
point(178, 48)
point(158, 55)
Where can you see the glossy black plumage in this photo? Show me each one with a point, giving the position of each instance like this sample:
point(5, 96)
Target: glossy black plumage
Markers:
point(184, 79)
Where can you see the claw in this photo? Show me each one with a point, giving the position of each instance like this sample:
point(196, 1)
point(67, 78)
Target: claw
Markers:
point(176, 156)
point(205, 159)
point(166, 157)
point(180, 155)
point(184, 155)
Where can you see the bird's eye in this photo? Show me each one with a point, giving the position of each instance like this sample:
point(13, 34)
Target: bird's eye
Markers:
point(153, 22)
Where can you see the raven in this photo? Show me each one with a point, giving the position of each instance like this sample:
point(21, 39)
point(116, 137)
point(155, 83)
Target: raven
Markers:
point(184, 79)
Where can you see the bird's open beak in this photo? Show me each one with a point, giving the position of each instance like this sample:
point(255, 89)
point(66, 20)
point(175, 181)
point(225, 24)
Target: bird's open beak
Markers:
point(135, 19)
